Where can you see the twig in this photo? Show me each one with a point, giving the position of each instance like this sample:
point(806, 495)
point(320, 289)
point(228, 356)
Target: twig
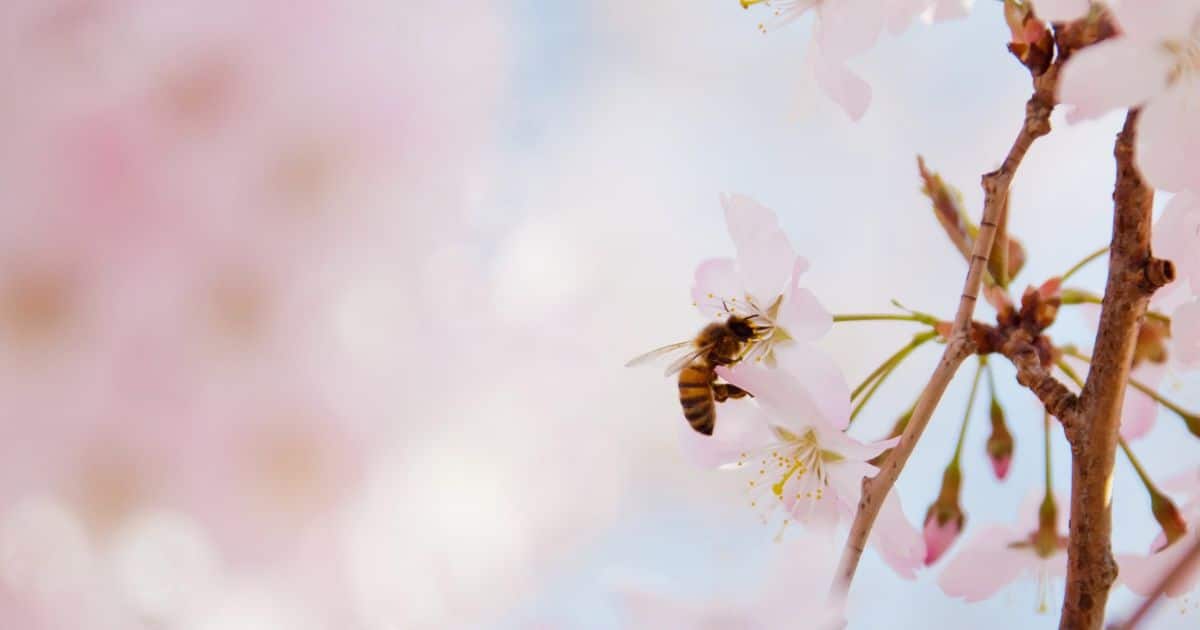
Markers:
point(959, 345)
point(1133, 275)
point(1186, 563)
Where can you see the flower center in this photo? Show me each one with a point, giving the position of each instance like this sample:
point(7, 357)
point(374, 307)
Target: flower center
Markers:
point(792, 470)
point(1186, 54)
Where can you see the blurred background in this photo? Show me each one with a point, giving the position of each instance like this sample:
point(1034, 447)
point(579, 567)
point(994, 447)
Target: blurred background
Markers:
point(313, 314)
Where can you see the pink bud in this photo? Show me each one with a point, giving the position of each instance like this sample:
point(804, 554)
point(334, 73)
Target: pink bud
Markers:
point(1000, 466)
point(939, 537)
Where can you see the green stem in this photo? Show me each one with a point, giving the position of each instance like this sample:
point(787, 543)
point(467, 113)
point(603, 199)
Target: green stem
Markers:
point(1141, 387)
point(887, 365)
point(1083, 263)
point(1074, 296)
point(1070, 372)
point(899, 317)
point(876, 378)
point(1137, 466)
point(1046, 431)
point(962, 431)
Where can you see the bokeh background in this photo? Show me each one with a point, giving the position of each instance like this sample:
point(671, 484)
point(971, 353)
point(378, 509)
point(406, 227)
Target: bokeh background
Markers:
point(313, 314)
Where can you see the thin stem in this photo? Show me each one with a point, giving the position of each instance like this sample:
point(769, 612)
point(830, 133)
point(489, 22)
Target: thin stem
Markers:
point(962, 431)
point(878, 377)
point(889, 364)
point(1137, 466)
point(1141, 387)
point(872, 317)
point(1070, 372)
point(1083, 263)
point(1046, 432)
point(1083, 297)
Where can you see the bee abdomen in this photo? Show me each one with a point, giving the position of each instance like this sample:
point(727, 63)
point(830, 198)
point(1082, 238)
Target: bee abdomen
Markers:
point(696, 397)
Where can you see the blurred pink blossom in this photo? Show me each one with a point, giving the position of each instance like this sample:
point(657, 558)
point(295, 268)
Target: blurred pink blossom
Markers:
point(1061, 10)
point(997, 555)
point(1152, 64)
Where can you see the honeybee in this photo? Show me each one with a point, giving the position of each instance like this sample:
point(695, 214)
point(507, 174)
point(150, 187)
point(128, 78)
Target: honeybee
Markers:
point(719, 343)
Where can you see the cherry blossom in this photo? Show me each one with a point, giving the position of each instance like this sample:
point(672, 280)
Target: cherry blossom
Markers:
point(845, 28)
point(1153, 64)
point(804, 462)
point(997, 555)
point(762, 283)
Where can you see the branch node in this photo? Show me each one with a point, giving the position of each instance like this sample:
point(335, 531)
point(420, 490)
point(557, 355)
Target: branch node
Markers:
point(1158, 272)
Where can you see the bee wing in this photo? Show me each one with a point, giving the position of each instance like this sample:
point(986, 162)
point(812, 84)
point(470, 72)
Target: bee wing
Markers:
point(686, 351)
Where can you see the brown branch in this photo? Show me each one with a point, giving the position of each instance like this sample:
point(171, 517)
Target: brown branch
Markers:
point(1133, 276)
point(1059, 401)
point(959, 345)
point(1185, 564)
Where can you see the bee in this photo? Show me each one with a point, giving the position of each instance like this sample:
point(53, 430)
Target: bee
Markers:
point(719, 343)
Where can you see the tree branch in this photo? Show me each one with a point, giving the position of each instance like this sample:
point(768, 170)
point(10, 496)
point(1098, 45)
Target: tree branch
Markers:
point(959, 345)
point(1133, 275)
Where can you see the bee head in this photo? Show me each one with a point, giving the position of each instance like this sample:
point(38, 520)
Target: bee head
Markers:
point(741, 327)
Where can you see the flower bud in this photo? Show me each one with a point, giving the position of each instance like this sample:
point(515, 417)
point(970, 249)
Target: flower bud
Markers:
point(944, 519)
point(999, 443)
point(1168, 517)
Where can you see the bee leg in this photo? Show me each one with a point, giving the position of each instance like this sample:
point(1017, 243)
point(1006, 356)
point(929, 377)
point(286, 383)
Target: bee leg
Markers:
point(725, 391)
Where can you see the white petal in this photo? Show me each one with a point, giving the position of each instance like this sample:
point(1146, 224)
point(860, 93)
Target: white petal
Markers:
point(899, 543)
point(816, 371)
point(741, 427)
point(844, 87)
point(1156, 20)
point(848, 27)
point(1177, 236)
point(985, 565)
point(1117, 73)
point(716, 283)
point(1168, 140)
point(764, 254)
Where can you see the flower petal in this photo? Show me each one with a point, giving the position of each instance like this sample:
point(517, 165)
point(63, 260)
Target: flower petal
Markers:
point(844, 87)
point(985, 565)
point(1156, 20)
point(1185, 331)
point(764, 254)
point(1139, 410)
point(801, 314)
point(716, 282)
point(786, 400)
point(848, 27)
point(1177, 236)
point(1168, 140)
point(817, 372)
point(897, 541)
point(741, 427)
point(1116, 73)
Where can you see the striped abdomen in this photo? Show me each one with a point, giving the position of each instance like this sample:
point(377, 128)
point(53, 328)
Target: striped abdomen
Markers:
point(696, 396)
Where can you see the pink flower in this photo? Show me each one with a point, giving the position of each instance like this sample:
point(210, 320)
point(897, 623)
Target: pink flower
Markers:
point(1155, 64)
point(762, 282)
point(1000, 466)
point(997, 555)
point(792, 436)
point(939, 536)
point(797, 580)
point(1177, 237)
